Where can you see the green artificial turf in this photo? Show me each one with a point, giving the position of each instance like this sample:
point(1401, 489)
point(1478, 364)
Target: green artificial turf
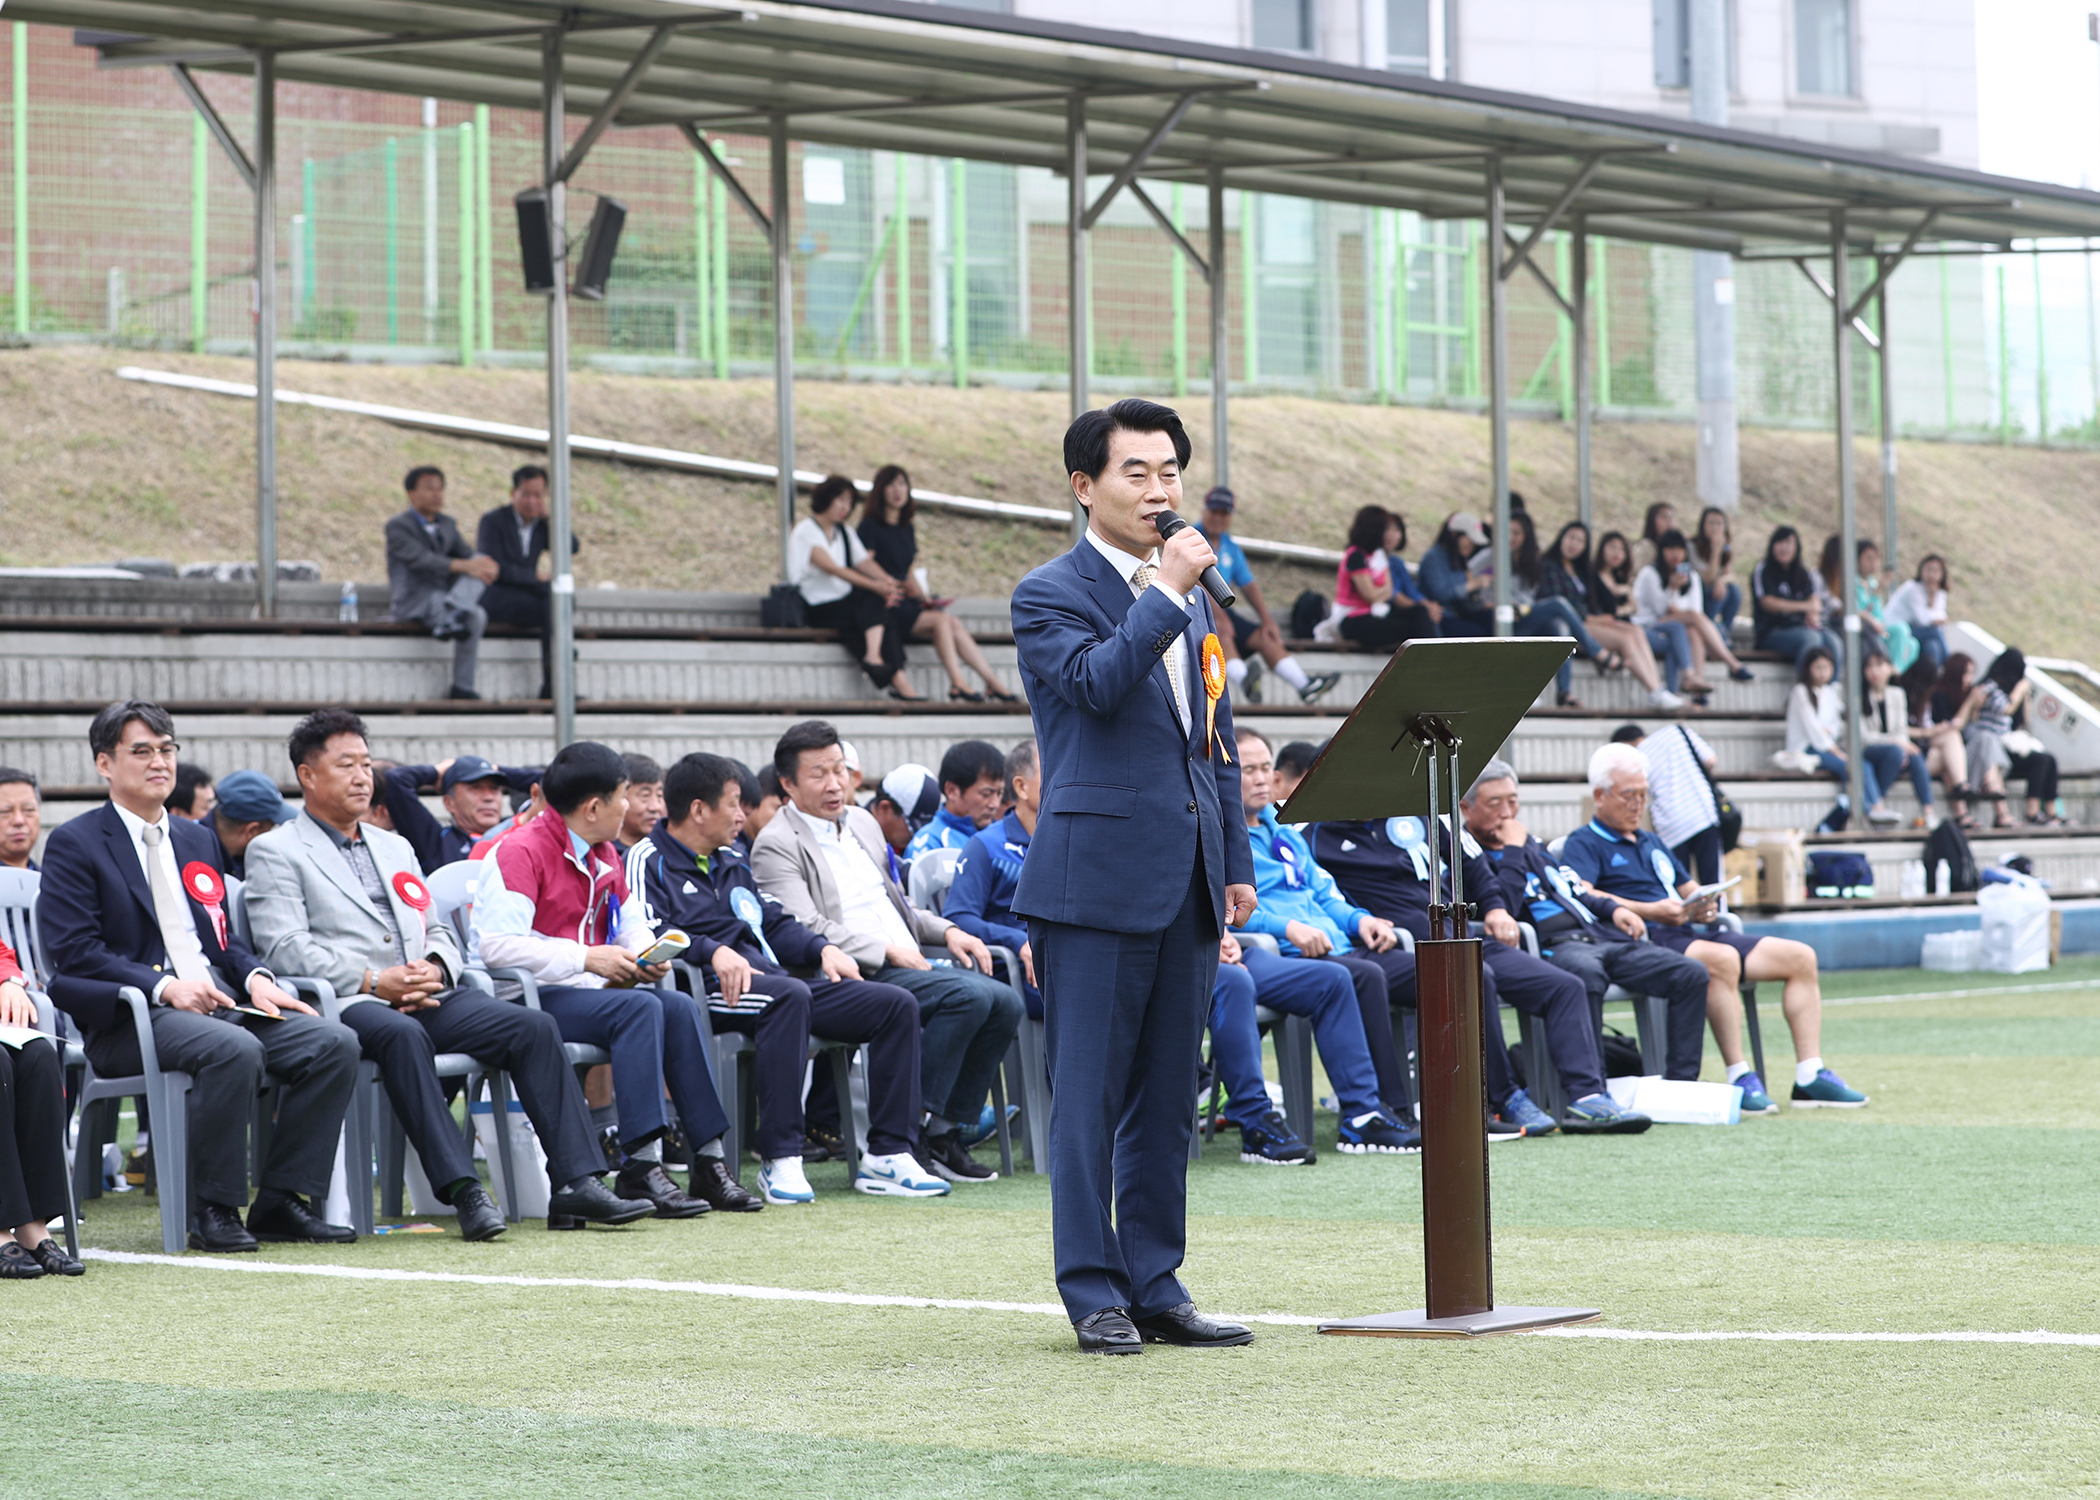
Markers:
point(1961, 1200)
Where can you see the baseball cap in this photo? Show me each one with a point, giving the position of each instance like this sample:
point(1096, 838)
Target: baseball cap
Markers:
point(251, 797)
point(1467, 525)
point(1219, 498)
point(916, 790)
point(850, 755)
point(467, 768)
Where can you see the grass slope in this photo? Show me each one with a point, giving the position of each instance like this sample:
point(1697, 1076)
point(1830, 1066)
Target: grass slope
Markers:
point(100, 469)
point(1947, 1205)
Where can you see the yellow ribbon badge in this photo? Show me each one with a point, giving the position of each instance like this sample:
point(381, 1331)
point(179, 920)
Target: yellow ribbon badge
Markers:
point(1213, 690)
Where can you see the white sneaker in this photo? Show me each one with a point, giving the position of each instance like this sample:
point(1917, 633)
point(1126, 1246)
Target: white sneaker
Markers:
point(781, 1181)
point(1664, 699)
point(898, 1176)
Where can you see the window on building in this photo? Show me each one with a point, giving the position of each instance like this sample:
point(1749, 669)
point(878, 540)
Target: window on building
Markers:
point(1283, 25)
point(1407, 39)
point(1673, 43)
point(1823, 48)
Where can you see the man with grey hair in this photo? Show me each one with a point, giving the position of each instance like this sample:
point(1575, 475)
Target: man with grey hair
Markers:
point(1591, 936)
point(1629, 863)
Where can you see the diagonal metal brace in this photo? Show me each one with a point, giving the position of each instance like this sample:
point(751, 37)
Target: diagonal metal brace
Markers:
point(1552, 216)
point(187, 82)
point(1887, 263)
point(1202, 266)
point(614, 102)
point(1127, 173)
point(1546, 281)
point(727, 178)
point(1858, 324)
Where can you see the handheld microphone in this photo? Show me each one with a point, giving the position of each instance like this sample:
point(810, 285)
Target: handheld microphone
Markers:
point(1214, 583)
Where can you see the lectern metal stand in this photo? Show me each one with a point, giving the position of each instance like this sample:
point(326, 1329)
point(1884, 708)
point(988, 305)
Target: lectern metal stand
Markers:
point(1441, 693)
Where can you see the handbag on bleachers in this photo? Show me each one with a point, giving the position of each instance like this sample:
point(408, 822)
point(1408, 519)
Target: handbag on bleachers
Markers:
point(783, 608)
point(1731, 816)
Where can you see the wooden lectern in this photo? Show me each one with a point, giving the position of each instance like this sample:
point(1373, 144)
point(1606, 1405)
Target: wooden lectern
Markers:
point(1399, 750)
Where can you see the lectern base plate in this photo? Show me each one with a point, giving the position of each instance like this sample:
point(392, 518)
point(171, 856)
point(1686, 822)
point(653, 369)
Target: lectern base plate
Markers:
point(1419, 1325)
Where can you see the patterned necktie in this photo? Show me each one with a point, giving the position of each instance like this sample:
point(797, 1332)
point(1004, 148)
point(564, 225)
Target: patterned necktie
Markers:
point(171, 910)
point(1141, 579)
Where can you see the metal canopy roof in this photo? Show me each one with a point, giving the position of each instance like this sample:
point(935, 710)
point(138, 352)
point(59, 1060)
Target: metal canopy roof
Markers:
point(905, 76)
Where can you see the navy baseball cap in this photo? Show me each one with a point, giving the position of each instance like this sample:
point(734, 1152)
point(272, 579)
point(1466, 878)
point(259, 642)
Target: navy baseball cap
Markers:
point(915, 790)
point(251, 797)
point(468, 768)
point(1219, 498)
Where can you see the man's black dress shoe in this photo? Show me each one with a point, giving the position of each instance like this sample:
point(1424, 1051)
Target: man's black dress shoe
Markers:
point(479, 1218)
point(711, 1180)
point(51, 1255)
point(219, 1228)
point(1192, 1330)
point(282, 1218)
point(1108, 1331)
point(592, 1202)
point(648, 1179)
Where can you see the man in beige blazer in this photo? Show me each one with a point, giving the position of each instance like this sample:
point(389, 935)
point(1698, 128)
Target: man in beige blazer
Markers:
point(825, 861)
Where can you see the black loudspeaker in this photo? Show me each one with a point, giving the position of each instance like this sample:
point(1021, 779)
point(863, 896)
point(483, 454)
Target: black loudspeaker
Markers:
point(536, 241)
point(599, 247)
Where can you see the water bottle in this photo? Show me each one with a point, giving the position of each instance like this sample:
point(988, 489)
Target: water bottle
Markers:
point(1913, 882)
point(348, 613)
point(1942, 879)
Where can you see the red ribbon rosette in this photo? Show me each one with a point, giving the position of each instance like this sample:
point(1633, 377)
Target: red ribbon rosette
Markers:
point(413, 893)
point(205, 886)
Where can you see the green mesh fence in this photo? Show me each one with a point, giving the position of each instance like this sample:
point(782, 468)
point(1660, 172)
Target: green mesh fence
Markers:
point(397, 239)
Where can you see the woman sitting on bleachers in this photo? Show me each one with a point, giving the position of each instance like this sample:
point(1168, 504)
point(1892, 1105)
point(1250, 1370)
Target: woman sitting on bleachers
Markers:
point(893, 545)
point(32, 1141)
point(1884, 732)
point(840, 587)
point(1542, 610)
point(1945, 755)
point(1921, 603)
point(1611, 595)
point(1565, 574)
point(1786, 616)
point(1815, 724)
point(1991, 720)
point(1379, 604)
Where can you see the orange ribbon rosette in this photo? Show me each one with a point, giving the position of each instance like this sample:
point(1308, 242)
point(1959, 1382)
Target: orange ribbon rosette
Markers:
point(1213, 690)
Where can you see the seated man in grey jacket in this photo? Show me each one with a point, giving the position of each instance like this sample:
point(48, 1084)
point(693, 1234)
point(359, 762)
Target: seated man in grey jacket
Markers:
point(437, 578)
point(825, 861)
point(331, 897)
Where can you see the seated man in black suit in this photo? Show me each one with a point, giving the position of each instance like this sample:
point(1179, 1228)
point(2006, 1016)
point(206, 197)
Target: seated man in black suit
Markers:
point(515, 535)
point(133, 897)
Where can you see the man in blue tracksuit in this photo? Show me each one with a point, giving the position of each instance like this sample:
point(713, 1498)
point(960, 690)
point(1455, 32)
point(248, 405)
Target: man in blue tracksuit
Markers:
point(973, 784)
point(1384, 867)
point(743, 943)
point(1591, 936)
point(1321, 931)
point(980, 901)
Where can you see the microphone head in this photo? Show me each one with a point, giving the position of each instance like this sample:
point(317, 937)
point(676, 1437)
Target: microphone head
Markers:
point(1166, 523)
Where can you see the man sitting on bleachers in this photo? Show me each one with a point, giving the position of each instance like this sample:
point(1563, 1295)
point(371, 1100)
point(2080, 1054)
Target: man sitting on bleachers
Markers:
point(249, 806)
point(1384, 867)
point(1341, 966)
point(514, 538)
point(332, 897)
point(437, 579)
point(973, 789)
point(1593, 937)
point(21, 818)
point(1627, 862)
point(823, 859)
point(554, 902)
point(742, 945)
point(472, 790)
point(132, 897)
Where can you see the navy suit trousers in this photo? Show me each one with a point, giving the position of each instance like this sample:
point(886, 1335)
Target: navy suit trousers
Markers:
point(1123, 1018)
point(655, 1039)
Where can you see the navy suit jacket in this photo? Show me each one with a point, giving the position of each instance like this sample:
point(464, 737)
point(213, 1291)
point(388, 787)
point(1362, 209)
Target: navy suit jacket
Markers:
point(1130, 803)
point(517, 562)
point(96, 917)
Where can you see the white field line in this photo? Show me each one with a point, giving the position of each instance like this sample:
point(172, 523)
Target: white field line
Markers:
point(1989, 989)
point(962, 1304)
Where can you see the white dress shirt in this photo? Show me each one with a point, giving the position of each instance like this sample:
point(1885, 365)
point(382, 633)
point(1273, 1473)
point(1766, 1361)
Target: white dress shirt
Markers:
point(1176, 657)
point(185, 948)
point(864, 900)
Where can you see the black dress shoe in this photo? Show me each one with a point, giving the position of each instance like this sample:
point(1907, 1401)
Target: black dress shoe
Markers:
point(283, 1218)
point(219, 1228)
point(592, 1202)
point(648, 1179)
point(17, 1264)
point(53, 1258)
point(479, 1218)
point(711, 1180)
point(1108, 1331)
point(1192, 1330)
point(462, 695)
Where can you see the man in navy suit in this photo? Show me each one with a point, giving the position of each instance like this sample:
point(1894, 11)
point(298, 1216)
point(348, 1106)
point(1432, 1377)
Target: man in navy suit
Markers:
point(1134, 872)
point(134, 897)
point(515, 535)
